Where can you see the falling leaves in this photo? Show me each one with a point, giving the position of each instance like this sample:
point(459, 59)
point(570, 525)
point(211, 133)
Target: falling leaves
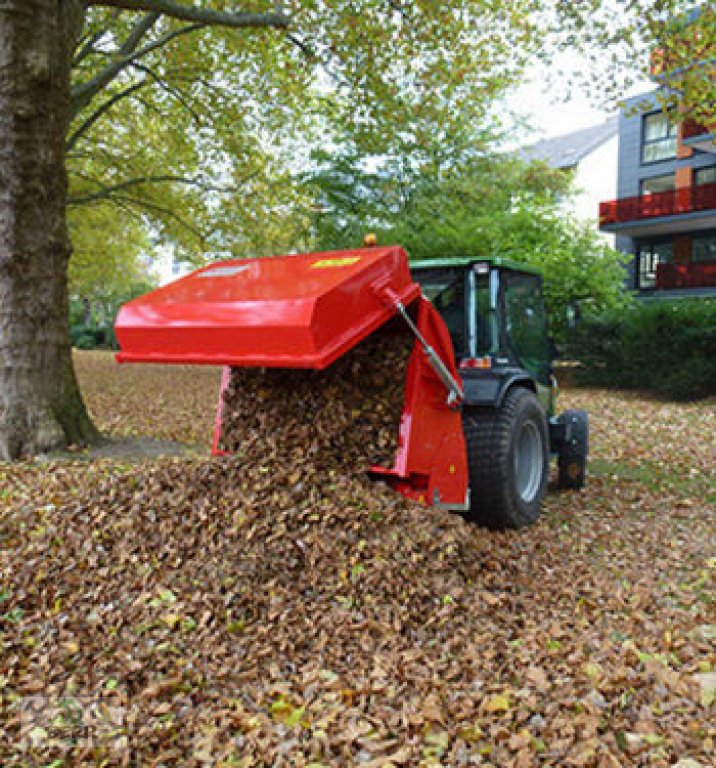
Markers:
point(348, 415)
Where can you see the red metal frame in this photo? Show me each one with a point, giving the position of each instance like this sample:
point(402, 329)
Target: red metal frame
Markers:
point(674, 202)
point(219, 420)
point(431, 463)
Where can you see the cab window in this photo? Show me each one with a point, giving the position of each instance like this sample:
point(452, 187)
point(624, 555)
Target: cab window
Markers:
point(526, 324)
point(446, 291)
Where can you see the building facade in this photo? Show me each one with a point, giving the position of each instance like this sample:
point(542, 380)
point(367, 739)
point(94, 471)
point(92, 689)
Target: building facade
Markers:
point(665, 211)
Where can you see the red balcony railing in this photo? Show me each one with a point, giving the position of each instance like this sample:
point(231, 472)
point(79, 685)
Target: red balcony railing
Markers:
point(692, 129)
point(674, 202)
point(697, 274)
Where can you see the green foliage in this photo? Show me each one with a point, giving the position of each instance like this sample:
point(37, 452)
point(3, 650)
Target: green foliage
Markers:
point(105, 301)
point(86, 341)
point(689, 46)
point(668, 347)
point(681, 35)
point(110, 254)
point(76, 314)
point(481, 205)
point(191, 135)
point(76, 333)
point(104, 306)
point(93, 337)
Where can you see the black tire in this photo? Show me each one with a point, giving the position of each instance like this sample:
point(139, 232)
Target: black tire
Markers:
point(508, 460)
point(572, 461)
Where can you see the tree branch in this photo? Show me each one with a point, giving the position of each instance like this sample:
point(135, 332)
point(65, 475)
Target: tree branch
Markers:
point(89, 44)
point(159, 42)
point(106, 192)
point(178, 10)
point(78, 133)
point(305, 49)
point(173, 92)
point(128, 203)
point(82, 94)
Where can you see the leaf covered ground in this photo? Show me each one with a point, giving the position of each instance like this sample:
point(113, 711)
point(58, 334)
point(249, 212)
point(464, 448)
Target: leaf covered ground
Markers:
point(242, 612)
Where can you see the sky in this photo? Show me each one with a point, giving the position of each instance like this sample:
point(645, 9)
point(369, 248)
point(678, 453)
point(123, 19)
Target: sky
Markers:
point(540, 102)
point(548, 116)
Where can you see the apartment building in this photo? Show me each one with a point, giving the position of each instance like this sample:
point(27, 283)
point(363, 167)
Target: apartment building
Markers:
point(665, 211)
point(665, 214)
point(590, 156)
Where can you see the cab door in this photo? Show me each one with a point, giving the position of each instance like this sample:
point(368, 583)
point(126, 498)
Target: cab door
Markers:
point(524, 326)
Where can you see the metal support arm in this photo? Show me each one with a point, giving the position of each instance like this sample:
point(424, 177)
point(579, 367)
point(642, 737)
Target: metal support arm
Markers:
point(455, 393)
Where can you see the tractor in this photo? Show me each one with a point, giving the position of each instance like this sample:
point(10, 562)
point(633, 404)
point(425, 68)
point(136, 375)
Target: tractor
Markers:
point(494, 311)
point(478, 423)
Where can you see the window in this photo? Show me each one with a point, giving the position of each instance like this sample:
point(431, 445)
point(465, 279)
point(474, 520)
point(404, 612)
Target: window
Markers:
point(526, 324)
point(657, 184)
point(703, 248)
point(705, 176)
point(446, 291)
point(658, 139)
point(486, 340)
point(649, 256)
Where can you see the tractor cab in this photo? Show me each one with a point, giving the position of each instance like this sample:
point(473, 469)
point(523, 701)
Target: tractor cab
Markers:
point(495, 314)
point(494, 310)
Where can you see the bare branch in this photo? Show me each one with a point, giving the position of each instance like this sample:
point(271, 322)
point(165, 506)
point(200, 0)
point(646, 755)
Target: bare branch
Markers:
point(79, 132)
point(159, 42)
point(90, 42)
point(178, 10)
point(305, 49)
point(82, 94)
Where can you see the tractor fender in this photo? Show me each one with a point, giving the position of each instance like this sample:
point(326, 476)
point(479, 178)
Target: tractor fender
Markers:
point(488, 388)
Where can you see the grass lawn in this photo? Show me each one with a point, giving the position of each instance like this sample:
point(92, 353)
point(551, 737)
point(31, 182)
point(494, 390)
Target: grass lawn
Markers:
point(152, 620)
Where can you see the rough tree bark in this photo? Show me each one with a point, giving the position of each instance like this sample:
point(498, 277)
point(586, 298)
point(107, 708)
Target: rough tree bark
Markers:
point(40, 403)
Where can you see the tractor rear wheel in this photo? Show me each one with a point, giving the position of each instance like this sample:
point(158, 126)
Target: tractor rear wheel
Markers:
point(508, 460)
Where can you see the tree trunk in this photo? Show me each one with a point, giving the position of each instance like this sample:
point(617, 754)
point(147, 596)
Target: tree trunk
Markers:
point(40, 404)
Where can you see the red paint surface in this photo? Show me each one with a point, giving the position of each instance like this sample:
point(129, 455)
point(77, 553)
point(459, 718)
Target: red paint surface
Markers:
point(432, 455)
point(300, 311)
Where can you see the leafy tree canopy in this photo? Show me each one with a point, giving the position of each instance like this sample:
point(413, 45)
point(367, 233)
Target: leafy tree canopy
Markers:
point(188, 117)
point(485, 205)
point(192, 131)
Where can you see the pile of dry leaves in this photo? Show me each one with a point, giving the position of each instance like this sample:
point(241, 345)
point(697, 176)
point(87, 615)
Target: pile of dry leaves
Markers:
point(276, 608)
point(346, 417)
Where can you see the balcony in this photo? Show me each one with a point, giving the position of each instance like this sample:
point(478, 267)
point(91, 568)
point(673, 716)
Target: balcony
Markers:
point(698, 136)
point(697, 274)
point(679, 210)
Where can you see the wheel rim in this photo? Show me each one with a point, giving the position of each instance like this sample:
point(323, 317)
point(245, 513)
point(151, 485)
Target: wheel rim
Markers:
point(529, 461)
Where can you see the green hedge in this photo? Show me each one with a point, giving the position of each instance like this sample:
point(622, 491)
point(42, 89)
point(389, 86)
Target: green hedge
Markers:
point(93, 337)
point(668, 347)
